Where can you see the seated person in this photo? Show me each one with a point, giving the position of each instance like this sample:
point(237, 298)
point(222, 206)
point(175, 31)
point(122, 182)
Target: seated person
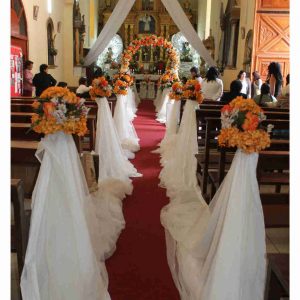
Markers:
point(284, 98)
point(184, 80)
point(265, 98)
point(83, 90)
point(235, 91)
point(62, 84)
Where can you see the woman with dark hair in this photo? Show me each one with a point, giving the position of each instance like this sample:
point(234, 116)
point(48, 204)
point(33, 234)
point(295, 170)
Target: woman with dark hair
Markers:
point(235, 91)
point(212, 85)
point(256, 84)
point(246, 89)
point(196, 74)
point(265, 98)
point(43, 80)
point(62, 84)
point(83, 90)
point(27, 79)
point(274, 79)
point(284, 98)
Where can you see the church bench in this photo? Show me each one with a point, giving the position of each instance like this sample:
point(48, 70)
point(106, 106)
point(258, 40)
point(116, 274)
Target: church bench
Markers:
point(19, 227)
point(278, 278)
point(275, 204)
point(18, 118)
point(19, 131)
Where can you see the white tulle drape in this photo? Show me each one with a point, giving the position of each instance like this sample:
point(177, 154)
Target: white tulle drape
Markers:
point(124, 127)
point(161, 115)
point(180, 165)
point(221, 257)
point(166, 146)
point(131, 104)
point(62, 259)
point(113, 163)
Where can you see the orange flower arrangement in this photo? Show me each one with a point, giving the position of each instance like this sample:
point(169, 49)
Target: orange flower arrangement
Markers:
point(58, 109)
point(100, 88)
point(192, 91)
point(240, 126)
point(121, 82)
point(177, 91)
point(150, 40)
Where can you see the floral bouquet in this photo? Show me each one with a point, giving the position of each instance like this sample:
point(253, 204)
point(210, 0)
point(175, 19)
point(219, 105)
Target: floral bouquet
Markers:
point(121, 82)
point(241, 120)
point(167, 80)
point(100, 88)
point(192, 91)
point(177, 91)
point(58, 109)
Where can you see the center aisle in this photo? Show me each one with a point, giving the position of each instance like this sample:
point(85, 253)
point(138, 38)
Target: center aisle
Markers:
point(138, 270)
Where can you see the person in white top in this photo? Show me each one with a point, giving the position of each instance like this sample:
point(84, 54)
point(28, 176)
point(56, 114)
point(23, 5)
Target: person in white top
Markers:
point(212, 86)
point(256, 84)
point(195, 74)
point(246, 89)
point(83, 90)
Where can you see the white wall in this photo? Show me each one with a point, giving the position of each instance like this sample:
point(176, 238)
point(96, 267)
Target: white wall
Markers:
point(37, 34)
point(62, 11)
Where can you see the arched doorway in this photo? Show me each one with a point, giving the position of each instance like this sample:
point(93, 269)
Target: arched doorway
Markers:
point(19, 37)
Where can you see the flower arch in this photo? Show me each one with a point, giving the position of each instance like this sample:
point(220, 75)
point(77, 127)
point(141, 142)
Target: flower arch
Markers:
point(150, 40)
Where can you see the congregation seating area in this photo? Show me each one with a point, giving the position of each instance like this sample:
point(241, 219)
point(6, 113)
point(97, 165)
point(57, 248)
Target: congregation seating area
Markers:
point(213, 164)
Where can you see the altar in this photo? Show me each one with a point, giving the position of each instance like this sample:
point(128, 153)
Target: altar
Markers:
point(147, 85)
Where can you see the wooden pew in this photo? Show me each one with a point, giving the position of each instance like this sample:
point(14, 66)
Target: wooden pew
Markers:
point(278, 277)
point(19, 229)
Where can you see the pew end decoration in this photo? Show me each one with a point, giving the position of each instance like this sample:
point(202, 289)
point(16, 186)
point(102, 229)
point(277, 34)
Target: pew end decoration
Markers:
point(241, 128)
point(177, 91)
point(100, 88)
point(58, 109)
point(121, 82)
point(192, 91)
point(167, 80)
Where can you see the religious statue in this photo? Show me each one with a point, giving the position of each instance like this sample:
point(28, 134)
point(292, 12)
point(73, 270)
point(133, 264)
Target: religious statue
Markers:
point(108, 3)
point(109, 56)
point(186, 55)
point(146, 20)
point(187, 5)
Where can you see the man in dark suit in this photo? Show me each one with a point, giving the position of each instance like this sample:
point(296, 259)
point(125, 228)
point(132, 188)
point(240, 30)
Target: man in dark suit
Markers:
point(42, 80)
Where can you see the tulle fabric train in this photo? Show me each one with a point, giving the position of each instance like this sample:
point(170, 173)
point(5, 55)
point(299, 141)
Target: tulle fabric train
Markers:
point(131, 104)
point(224, 259)
point(161, 115)
point(166, 146)
point(61, 261)
point(180, 165)
point(113, 183)
point(113, 164)
point(124, 127)
point(137, 97)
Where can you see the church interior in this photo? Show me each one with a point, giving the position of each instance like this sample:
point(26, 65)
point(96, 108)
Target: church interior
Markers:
point(124, 105)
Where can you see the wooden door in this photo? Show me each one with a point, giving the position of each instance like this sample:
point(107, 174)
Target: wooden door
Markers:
point(271, 40)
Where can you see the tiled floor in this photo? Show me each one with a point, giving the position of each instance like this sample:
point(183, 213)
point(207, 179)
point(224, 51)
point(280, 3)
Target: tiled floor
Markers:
point(277, 240)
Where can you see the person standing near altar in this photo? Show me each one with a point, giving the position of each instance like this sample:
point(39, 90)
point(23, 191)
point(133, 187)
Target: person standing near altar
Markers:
point(196, 74)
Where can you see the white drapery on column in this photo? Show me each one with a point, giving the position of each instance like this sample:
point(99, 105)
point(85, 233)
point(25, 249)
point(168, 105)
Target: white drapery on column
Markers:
point(119, 15)
point(112, 26)
point(182, 22)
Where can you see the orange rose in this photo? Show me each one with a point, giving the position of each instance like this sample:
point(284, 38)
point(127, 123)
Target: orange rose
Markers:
point(49, 108)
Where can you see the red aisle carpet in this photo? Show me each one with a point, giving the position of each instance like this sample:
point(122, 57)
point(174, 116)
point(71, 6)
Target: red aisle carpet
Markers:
point(138, 270)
